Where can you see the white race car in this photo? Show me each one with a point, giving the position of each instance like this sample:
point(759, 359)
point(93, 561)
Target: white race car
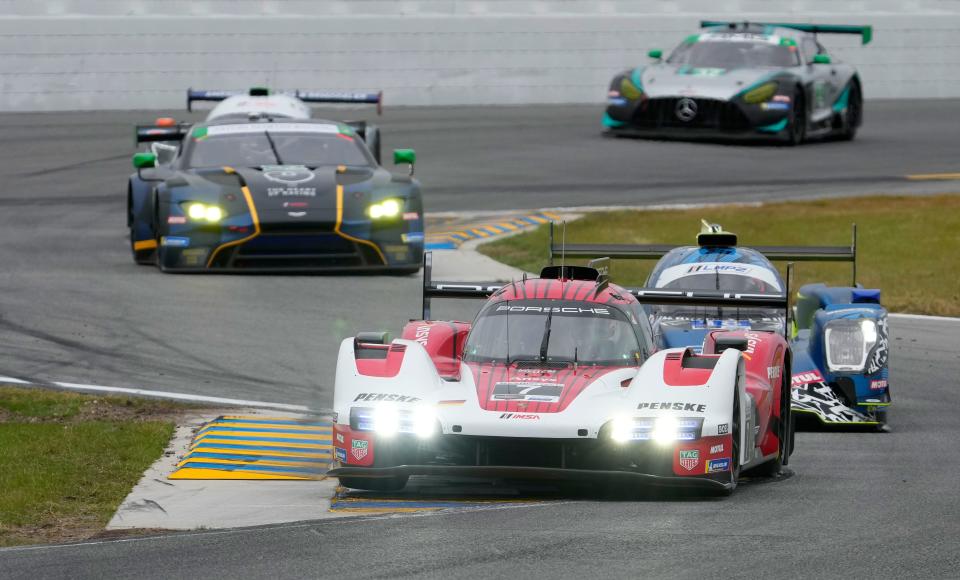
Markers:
point(558, 378)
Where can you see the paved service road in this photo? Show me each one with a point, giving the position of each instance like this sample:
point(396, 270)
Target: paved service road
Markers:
point(859, 505)
point(73, 306)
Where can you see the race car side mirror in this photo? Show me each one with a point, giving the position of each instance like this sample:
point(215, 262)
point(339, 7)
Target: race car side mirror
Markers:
point(144, 160)
point(821, 59)
point(401, 156)
point(655, 53)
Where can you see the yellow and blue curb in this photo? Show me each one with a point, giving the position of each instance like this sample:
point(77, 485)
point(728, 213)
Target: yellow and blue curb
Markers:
point(451, 239)
point(250, 447)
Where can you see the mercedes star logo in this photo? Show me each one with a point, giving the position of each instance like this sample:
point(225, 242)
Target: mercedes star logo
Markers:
point(686, 109)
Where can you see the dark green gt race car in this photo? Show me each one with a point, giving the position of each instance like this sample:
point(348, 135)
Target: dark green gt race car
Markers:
point(742, 80)
point(267, 193)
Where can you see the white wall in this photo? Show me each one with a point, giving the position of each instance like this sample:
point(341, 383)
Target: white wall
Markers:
point(143, 54)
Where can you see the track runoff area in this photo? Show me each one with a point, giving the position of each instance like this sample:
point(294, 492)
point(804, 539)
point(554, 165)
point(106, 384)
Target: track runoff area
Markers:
point(884, 495)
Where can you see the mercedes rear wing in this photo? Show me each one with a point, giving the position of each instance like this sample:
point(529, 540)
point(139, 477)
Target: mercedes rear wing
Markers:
point(318, 97)
point(865, 32)
point(657, 251)
point(658, 296)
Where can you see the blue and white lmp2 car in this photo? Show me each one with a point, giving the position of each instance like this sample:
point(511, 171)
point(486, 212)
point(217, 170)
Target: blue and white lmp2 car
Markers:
point(838, 335)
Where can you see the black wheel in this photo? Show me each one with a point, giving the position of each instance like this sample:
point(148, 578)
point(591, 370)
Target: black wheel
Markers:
point(375, 483)
point(853, 115)
point(735, 434)
point(785, 430)
point(797, 125)
point(141, 257)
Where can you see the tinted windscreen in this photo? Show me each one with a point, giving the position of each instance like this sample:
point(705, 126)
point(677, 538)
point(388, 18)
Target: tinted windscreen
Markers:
point(734, 54)
point(553, 331)
point(730, 282)
point(267, 146)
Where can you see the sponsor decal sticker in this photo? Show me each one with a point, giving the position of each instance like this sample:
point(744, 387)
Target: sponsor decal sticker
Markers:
point(718, 465)
point(774, 106)
point(804, 378)
point(723, 428)
point(411, 237)
point(716, 449)
point(534, 392)
point(291, 192)
point(617, 101)
point(692, 407)
point(878, 385)
point(359, 449)
point(689, 458)
point(781, 98)
point(773, 372)
point(174, 242)
point(386, 397)
point(287, 174)
point(341, 454)
point(339, 437)
point(409, 216)
point(259, 128)
point(177, 219)
point(520, 416)
point(554, 309)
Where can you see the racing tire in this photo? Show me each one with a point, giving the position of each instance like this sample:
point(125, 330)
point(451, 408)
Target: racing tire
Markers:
point(375, 484)
point(785, 431)
point(853, 115)
point(735, 437)
point(797, 126)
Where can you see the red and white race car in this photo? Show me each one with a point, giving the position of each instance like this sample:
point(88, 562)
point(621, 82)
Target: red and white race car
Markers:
point(558, 377)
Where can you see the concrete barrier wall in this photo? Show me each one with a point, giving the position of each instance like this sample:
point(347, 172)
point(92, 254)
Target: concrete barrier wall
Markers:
point(139, 54)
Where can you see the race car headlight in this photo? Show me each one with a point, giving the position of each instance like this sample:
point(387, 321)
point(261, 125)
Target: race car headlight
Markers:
point(386, 209)
point(760, 94)
point(204, 212)
point(629, 90)
point(665, 429)
point(388, 420)
point(423, 421)
point(849, 343)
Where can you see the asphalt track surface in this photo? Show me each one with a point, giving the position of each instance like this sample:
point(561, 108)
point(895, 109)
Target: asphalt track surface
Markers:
point(73, 307)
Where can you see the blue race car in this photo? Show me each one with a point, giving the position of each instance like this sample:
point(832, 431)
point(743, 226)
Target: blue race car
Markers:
point(838, 335)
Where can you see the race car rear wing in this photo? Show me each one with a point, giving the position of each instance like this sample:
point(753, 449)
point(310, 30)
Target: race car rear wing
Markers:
point(194, 95)
point(865, 32)
point(474, 290)
point(657, 251)
point(154, 133)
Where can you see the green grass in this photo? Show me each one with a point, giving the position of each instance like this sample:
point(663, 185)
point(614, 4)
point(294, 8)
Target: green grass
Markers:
point(908, 246)
point(68, 460)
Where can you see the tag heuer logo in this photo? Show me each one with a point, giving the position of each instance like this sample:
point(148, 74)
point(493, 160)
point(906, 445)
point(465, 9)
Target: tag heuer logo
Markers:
point(359, 449)
point(689, 459)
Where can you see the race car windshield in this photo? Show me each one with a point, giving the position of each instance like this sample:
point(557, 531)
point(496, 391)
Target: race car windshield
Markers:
point(553, 331)
point(276, 148)
point(727, 54)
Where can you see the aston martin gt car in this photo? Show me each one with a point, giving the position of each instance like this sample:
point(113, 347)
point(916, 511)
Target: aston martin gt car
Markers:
point(742, 80)
point(559, 378)
point(264, 188)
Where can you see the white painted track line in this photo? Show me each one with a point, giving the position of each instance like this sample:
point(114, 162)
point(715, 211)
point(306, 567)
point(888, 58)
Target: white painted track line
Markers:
point(180, 396)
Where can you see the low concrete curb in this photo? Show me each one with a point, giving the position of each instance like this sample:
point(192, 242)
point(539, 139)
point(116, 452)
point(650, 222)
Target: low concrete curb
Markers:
point(160, 503)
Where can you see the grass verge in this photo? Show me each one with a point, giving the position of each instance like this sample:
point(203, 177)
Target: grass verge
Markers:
point(907, 246)
point(68, 460)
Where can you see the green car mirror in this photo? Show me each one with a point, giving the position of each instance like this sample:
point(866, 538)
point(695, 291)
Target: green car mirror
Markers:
point(821, 59)
point(401, 156)
point(655, 53)
point(144, 160)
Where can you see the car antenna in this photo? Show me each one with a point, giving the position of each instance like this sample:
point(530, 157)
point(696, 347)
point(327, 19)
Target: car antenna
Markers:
point(563, 251)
